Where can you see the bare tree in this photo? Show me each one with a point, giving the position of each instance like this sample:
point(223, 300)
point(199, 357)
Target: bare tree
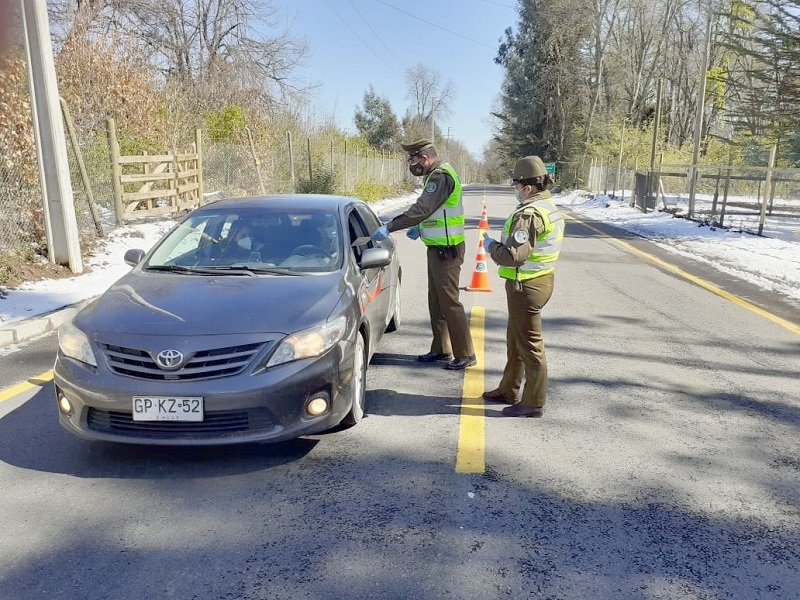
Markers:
point(429, 94)
point(215, 47)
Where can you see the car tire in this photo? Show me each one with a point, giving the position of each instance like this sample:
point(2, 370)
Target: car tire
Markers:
point(396, 320)
point(358, 384)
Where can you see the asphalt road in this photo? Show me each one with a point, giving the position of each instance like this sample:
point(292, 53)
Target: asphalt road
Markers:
point(667, 464)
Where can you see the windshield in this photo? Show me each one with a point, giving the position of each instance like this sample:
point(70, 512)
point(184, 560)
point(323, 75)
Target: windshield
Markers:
point(261, 240)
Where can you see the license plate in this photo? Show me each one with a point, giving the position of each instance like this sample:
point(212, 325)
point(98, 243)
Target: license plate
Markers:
point(166, 408)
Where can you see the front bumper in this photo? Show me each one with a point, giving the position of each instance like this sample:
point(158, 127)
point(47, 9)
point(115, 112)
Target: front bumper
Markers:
point(244, 408)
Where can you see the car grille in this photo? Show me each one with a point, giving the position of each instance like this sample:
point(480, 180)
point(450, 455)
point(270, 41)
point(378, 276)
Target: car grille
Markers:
point(205, 364)
point(214, 424)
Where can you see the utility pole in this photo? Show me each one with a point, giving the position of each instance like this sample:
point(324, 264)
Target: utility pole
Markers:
point(61, 226)
point(698, 124)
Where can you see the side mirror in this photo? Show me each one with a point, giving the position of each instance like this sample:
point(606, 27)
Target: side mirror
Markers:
point(133, 257)
point(375, 257)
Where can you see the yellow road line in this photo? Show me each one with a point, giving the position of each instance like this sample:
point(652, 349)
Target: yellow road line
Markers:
point(471, 434)
point(37, 381)
point(696, 280)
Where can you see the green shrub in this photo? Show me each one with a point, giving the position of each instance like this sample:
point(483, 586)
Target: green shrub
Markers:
point(322, 182)
point(372, 191)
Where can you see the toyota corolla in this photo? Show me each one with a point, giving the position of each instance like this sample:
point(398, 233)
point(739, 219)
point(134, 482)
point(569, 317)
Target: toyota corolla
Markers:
point(252, 320)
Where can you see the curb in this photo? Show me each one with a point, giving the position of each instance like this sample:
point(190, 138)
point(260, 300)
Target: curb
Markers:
point(27, 329)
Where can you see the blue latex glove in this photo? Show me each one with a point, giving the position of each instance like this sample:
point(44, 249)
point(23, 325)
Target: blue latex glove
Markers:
point(413, 232)
point(381, 233)
point(487, 241)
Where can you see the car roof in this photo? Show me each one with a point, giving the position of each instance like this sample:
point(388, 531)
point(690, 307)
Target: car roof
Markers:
point(287, 202)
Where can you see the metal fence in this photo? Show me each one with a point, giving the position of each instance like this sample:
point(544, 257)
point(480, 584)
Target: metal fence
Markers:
point(757, 200)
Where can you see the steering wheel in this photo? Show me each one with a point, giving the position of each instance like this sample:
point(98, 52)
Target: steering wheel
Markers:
point(311, 250)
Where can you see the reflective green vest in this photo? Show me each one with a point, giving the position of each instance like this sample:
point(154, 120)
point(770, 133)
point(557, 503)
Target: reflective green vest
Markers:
point(547, 245)
point(445, 227)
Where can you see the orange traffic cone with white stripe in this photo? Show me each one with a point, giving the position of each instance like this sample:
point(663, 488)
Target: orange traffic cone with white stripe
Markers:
point(484, 222)
point(480, 276)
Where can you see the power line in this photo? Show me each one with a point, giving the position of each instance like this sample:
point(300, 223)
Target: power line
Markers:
point(499, 4)
point(376, 34)
point(355, 33)
point(413, 16)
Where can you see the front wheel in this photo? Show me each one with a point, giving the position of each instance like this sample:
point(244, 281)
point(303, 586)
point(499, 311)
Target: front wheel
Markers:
point(357, 387)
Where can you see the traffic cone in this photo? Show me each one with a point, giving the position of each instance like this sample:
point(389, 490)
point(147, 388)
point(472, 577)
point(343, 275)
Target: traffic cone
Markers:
point(480, 276)
point(484, 223)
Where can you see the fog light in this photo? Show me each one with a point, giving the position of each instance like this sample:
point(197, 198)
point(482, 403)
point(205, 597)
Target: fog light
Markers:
point(63, 405)
point(317, 406)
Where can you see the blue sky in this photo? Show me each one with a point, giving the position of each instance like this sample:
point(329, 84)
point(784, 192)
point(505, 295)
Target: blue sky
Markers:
point(355, 43)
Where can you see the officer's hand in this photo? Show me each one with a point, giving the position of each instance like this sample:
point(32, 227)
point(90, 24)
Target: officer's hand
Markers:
point(381, 233)
point(487, 241)
point(413, 232)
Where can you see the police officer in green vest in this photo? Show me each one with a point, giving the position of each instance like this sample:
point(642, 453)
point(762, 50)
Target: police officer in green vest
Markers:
point(437, 217)
point(527, 253)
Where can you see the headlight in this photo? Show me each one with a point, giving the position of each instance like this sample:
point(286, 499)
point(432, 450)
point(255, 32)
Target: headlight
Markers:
point(310, 342)
point(74, 343)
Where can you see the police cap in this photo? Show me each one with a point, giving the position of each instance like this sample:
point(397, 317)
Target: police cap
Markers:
point(415, 147)
point(528, 168)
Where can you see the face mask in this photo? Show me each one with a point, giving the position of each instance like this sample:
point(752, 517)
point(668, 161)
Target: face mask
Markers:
point(416, 170)
point(518, 196)
point(330, 232)
point(244, 243)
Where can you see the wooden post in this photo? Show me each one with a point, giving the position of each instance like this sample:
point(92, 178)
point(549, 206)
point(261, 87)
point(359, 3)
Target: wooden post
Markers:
point(146, 171)
point(617, 181)
point(345, 167)
point(173, 182)
point(198, 148)
point(256, 162)
point(81, 166)
point(116, 170)
point(767, 187)
point(291, 160)
point(310, 174)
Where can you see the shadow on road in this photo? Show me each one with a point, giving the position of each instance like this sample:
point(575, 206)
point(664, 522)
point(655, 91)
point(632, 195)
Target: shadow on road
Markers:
point(31, 438)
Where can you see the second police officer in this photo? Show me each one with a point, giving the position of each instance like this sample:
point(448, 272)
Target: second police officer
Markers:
point(527, 253)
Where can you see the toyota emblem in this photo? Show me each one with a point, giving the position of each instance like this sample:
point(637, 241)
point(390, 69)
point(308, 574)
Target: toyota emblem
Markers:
point(169, 359)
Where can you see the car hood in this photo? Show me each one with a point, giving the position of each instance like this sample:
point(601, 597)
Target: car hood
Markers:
point(168, 304)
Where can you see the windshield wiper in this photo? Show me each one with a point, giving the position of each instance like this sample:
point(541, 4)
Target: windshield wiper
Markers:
point(202, 270)
point(273, 271)
point(225, 270)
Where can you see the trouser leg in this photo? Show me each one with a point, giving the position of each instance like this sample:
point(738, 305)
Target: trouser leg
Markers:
point(441, 335)
point(446, 275)
point(515, 368)
point(527, 310)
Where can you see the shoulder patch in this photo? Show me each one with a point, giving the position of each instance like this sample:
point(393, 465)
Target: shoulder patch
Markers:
point(521, 236)
point(431, 187)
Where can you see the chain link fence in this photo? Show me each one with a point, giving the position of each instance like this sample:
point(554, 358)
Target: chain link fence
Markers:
point(21, 225)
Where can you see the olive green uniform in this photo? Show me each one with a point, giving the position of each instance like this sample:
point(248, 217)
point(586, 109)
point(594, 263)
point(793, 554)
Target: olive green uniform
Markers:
point(449, 322)
point(525, 354)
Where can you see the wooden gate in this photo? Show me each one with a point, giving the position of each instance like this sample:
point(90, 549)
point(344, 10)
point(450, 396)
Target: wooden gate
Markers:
point(147, 186)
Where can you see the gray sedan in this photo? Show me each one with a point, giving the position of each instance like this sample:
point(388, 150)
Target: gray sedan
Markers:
point(252, 320)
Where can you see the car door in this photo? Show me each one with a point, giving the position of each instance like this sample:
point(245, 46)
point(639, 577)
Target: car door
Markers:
point(374, 288)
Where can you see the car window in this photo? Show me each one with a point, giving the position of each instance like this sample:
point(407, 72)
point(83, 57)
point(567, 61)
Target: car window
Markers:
point(368, 217)
point(358, 228)
point(302, 241)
